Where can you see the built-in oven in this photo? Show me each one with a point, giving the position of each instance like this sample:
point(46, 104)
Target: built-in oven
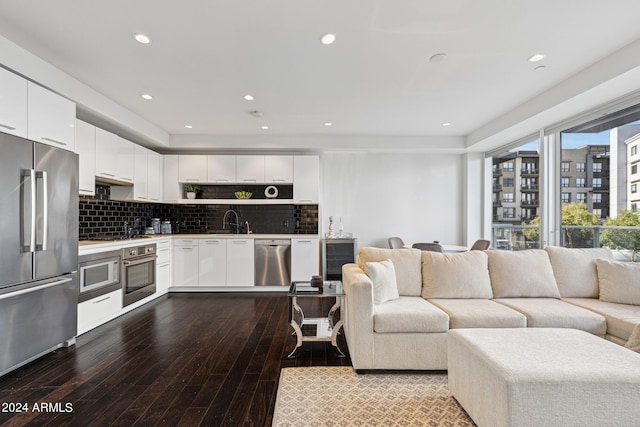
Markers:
point(138, 272)
point(99, 274)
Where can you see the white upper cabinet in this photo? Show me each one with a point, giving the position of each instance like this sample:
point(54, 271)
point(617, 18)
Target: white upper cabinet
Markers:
point(192, 168)
point(106, 154)
point(278, 169)
point(140, 171)
point(51, 118)
point(114, 157)
point(154, 176)
point(306, 179)
point(125, 159)
point(249, 169)
point(13, 104)
point(221, 169)
point(171, 191)
point(86, 150)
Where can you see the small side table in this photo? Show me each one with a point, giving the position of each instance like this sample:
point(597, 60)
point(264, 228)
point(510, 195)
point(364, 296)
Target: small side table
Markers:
point(315, 328)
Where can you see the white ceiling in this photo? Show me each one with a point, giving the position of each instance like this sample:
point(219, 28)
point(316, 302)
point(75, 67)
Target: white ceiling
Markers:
point(375, 80)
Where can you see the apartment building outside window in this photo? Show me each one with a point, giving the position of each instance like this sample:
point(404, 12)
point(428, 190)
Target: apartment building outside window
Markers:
point(597, 182)
point(634, 169)
point(580, 167)
point(634, 188)
point(566, 197)
point(581, 197)
point(596, 198)
point(634, 150)
point(566, 167)
point(580, 182)
point(564, 182)
point(507, 182)
point(507, 166)
point(507, 197)
point(509, 212)
point(597, 167)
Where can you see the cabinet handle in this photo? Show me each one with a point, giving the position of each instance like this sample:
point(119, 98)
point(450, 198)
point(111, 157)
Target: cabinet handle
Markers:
point(101, 300)
point(239, 242)
point(304, 241)
point(107, 174)
point(249, 180)
point(55, 141)
point(85, 189)
point(214, 242)
point(163, 250)
point(192, 180)
point(186, 249)
point(222, 180)
point(305, 201)
point(7, 127)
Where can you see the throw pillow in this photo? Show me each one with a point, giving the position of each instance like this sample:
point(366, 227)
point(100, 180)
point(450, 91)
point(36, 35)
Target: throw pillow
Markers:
point(522, 274)
point(575, 270)
point(383, 276)
point(407, 263)
point(619, 281)
point(455, 275)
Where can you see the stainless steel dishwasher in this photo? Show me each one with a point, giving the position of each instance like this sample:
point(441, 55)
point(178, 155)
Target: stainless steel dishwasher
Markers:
point(273, 262)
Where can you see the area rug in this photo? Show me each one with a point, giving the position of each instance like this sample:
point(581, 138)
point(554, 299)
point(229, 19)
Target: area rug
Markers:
point(337, 396)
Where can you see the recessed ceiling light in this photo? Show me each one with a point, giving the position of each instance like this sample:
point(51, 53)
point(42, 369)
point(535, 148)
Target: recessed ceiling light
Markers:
point(146, 96)
point(264, 127)
point(438, 57)
point(142, 38)
point(256, 113)
point(188, 126)
point(328, 38)
point(445, 124)
point(540, 68)
point(328, 124)
point(249, 97)
point(537, 57)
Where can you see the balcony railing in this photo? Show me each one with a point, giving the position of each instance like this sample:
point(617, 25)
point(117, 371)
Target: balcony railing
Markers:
point(530, 203)
point(624, 241)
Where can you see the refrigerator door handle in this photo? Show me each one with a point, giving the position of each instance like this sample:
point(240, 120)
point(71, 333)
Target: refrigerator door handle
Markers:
point(35, 288)
point(28, 238)
point(45, 210)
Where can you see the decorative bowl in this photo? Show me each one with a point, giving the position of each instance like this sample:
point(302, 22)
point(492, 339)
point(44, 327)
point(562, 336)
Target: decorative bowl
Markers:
point(243, 195)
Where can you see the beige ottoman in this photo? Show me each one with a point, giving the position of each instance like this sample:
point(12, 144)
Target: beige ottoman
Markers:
point(543, 377)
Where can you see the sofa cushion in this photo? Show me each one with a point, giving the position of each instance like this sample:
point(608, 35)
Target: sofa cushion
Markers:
point(407, 263)
point(383, 277)
point(520, 274)
point(621, 318)
point(619, 281)
point(479, 313)
point(553, 313)
point(455, 275)
point(409, 314)
point(575, 270)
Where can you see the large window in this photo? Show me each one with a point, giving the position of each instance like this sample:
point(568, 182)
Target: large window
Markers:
point(516, 220)
point(602, 151)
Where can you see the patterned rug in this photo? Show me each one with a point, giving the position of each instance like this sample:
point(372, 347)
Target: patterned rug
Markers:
point(337, 396)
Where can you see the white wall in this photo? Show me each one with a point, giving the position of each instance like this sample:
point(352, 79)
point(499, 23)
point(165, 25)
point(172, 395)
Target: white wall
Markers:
point(416, 196)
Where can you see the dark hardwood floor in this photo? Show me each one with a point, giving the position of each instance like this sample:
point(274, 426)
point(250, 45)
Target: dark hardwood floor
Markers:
point(187, 359)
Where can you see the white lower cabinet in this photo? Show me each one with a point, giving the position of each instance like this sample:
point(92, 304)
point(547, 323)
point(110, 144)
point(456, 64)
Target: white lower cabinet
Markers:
point(185, 263)
point(240, 262)
point(212, 262)
point(305, 258)
point(96, 311)
point(163, 266)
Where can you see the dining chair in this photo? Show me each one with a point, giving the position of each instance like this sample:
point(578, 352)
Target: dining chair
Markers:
point(395, 243)
point(433, 247)
point(480, 245)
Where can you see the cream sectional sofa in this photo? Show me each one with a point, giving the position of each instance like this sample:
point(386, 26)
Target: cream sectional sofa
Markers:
point(400, 303)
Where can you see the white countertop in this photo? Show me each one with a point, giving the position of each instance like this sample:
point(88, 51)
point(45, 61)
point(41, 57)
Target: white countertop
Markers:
point(93, 246)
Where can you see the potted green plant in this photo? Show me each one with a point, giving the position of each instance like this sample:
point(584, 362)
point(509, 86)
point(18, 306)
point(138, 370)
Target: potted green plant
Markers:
point(191, 190)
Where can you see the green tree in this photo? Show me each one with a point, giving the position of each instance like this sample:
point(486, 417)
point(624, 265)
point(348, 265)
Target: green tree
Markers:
point(577, 214)
point(623, 239)
point(572, 214)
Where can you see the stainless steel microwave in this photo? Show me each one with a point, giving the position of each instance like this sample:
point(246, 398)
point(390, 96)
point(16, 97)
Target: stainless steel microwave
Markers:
point(99, 273)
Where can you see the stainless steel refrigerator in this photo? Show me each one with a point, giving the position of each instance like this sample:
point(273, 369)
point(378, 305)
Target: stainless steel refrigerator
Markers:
point(38, 250)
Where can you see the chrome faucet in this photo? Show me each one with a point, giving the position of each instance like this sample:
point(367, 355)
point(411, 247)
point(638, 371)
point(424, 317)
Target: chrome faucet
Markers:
point(246, 223)
point(237, 223)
